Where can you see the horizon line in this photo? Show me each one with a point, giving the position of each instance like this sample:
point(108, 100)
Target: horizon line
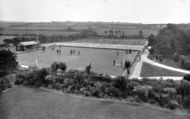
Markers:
point(95, 22)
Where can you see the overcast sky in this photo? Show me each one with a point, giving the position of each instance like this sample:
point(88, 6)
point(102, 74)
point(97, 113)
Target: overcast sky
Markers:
point(135, 11)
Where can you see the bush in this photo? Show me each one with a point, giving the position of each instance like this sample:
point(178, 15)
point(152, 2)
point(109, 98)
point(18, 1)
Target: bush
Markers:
point(62, 66)
point(184, 89)
point(185, 63)
point(8, 62)
point(88, 69)
point(142, 92)
point(171, 91)
point(187, 77)
point(176, 57)
point(32, 77)
point(4, 83)
point(121, 84)
point(152, 95)
point(186, 102)
point(114, 92)
point(57, 86)
point(20, 77)
point(54, 66)
point(173, 104)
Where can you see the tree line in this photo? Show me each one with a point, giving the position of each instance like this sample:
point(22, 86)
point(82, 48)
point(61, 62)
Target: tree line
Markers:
point(172, 43)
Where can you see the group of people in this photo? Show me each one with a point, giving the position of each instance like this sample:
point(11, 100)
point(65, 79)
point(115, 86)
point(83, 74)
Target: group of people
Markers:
point(59, 51)
point(128, 51)
point(73, 52)
point(114, 63)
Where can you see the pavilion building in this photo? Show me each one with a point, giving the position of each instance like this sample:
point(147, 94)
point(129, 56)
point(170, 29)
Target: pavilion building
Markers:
point(28, 45)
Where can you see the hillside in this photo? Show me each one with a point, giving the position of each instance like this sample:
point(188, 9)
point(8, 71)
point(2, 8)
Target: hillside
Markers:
point(66, 28)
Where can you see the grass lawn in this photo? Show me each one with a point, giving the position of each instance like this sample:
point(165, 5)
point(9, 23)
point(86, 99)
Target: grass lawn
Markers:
point(100, 59)
point(168, 62)
point(113, 41)
point(32, 103)
point(44, 32)
point(149, 70)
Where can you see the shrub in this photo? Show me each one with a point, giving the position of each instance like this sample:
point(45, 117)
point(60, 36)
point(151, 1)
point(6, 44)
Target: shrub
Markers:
point(35, 77)
point(41, 76)
point(62, 66)
point(8, 62)
point(54, 66)
point(131, 84)
point(173, 104)
point(186, 65)
point(4, 83)
point(187, 77)
point(20, 77)
point(114, 92)
point(153, 95)
point(176, 57)
point(184, 89)
point(88, 68)
point(57, 86)
point(142, 92)
point(120, 83)
point(186, 102)
point(170, 91)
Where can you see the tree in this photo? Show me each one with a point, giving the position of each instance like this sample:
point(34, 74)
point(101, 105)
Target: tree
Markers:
point(88, 68)
point(8, 62)
point(141, 33)
point(151, 39)
point(54, 66)
point(69, 29)
point(127, 66)
point(63, 66)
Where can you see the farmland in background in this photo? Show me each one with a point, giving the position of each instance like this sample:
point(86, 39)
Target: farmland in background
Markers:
point(69, 28)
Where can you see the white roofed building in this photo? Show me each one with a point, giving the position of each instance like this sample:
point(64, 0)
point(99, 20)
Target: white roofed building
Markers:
point(27, 45)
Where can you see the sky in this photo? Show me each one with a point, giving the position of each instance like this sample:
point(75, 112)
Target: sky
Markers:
point(131, 11)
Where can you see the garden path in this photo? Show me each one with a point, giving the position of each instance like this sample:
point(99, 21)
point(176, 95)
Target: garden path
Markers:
point(144, 58)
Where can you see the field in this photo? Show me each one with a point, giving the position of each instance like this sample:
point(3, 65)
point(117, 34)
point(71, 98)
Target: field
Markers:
point(60, 28)
point(101, 59)
point(5, 37)
point(44, 32)
point(113, 41)
point(149, 70)
point(33, 103)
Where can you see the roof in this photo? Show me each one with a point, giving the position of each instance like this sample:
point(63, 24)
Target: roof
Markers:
point(29, 43)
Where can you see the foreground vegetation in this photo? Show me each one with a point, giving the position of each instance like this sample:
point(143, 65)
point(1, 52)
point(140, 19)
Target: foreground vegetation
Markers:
point(8, 65)
point(165, 93)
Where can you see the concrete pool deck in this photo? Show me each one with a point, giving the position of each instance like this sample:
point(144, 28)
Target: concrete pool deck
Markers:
point(96, 45)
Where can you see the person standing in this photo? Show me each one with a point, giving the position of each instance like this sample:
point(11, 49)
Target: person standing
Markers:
point(114, 62)
point(117, 53)
point(121, 63)
point(71, 52)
